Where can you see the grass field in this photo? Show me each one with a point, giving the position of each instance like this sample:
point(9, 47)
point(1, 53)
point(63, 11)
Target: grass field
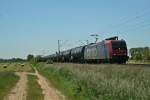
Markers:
point(34, 91)
point(7, 81)
point(99, 82)
point(16, 67)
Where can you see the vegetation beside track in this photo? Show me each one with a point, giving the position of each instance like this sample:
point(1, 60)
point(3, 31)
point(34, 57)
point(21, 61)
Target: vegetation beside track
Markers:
point(7, 82)
point(102, 82)
point(138, 62)
point(34, 91)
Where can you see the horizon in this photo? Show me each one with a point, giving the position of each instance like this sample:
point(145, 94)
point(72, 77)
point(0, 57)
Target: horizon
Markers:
point(34, 27)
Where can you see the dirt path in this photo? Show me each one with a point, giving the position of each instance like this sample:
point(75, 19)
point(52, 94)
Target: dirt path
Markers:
point(19, 91)
point(49, 92)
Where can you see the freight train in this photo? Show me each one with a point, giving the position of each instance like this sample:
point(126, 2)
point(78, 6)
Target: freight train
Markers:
point(110, 50)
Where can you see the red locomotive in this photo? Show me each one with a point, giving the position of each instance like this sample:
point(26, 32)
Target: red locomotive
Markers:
point(110, 50)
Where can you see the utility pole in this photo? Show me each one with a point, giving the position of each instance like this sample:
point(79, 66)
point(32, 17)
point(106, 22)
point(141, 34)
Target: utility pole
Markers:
point(58, 46)
point(87, 42)
point(95, 36)
point(81, 42)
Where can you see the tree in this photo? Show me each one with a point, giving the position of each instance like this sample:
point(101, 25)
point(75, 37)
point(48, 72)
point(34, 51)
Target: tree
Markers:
point(38, 58)
point(30, 57)
point(140, 53)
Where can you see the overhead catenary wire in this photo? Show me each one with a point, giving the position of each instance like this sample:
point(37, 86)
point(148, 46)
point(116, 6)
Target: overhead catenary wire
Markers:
point(134, 21)
point(137, 28)
point(128, 19)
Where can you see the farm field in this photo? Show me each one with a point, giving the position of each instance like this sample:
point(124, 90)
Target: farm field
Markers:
point(16, 67)
point(99, 81)
point(75, 81)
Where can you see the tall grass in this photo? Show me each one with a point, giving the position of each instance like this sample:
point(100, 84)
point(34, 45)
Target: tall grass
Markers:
point(99, 82)
point(7, 82)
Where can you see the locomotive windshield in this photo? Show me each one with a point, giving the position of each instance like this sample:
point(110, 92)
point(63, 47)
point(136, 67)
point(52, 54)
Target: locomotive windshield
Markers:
point(119, 44)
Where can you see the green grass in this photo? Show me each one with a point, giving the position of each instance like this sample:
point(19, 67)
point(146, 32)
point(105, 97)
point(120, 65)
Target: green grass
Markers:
point(34, 91)
point(7, 81)
point(99, 82)
point(138, 62)
point(16, 67)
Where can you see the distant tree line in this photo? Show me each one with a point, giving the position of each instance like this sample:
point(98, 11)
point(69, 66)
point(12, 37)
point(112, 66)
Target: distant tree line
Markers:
point(36, 59)
point(141, 53)
point(31, 57)
point(12, 60)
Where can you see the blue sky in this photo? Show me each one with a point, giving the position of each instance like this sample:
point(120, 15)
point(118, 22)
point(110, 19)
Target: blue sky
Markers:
point(34, 26)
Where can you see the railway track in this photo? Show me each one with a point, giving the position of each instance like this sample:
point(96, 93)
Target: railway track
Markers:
point(132, 65)
point(138, 65)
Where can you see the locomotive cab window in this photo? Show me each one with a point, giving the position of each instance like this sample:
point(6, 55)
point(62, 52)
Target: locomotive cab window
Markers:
point(119, 44)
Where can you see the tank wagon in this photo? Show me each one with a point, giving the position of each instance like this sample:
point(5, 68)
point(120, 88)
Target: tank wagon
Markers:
point(110, 50)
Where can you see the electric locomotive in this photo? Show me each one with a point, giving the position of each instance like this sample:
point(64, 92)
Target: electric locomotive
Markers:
point(109, 50)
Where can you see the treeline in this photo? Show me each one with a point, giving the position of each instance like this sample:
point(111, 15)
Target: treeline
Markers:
point(12, 60)
point(141, 53)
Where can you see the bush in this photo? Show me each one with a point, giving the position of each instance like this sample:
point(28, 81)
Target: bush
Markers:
point(49, 62)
